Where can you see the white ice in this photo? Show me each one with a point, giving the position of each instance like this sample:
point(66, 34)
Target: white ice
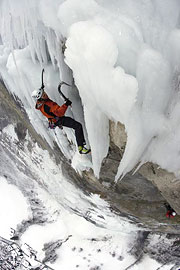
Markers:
point(124, 59)
point(13, 208)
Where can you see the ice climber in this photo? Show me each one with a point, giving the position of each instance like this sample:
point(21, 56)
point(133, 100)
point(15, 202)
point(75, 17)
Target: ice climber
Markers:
point(170, 211)
point(55, 115)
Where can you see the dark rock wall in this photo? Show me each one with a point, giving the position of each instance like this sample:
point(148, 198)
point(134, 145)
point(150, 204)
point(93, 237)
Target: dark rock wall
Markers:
point(167, 183)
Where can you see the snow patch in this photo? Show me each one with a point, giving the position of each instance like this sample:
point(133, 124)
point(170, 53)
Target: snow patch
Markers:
point(9, 130)
point(81, 162)
point(13, 207)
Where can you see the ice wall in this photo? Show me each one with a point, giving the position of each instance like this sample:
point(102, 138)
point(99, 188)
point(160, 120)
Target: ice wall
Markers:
point(124, 58)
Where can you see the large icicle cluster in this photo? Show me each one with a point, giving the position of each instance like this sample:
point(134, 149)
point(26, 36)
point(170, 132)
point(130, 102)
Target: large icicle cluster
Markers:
point(124, 57)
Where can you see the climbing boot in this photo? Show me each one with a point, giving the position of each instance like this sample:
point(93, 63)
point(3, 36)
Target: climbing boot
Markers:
point(83, 150)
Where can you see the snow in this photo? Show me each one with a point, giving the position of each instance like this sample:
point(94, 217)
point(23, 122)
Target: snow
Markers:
point(105, 242)
point(13, 209)
point(81, 162)
point(9, 130)
point(88, 245)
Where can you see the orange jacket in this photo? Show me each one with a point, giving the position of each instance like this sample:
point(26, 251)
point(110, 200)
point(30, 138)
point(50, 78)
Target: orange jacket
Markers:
point(51, 109)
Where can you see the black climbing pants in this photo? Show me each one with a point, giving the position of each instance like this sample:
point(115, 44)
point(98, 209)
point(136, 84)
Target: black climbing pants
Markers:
point(71, 123)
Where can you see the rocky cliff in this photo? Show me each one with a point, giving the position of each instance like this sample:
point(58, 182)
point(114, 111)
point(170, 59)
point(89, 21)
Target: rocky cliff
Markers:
point(142, 194)
point(167, 183)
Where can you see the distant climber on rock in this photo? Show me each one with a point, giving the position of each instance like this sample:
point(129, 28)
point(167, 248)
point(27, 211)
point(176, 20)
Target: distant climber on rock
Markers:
point(56, 118)
point(170, 211)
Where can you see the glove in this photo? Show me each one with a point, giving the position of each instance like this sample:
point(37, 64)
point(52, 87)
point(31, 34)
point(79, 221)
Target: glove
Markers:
point(51, 125)
point(68, 103)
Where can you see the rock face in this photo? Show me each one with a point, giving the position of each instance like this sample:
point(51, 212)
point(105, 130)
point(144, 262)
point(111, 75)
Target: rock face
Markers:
point(135, 196)
point(166, 183)
point(142, 195)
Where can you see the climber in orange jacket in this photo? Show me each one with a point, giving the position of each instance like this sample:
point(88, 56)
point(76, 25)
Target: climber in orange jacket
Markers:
point(170, 211)
point(55, 115)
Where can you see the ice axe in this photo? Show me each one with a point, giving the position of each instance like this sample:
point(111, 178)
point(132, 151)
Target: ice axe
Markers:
point(60, 91)
point(42, 75)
